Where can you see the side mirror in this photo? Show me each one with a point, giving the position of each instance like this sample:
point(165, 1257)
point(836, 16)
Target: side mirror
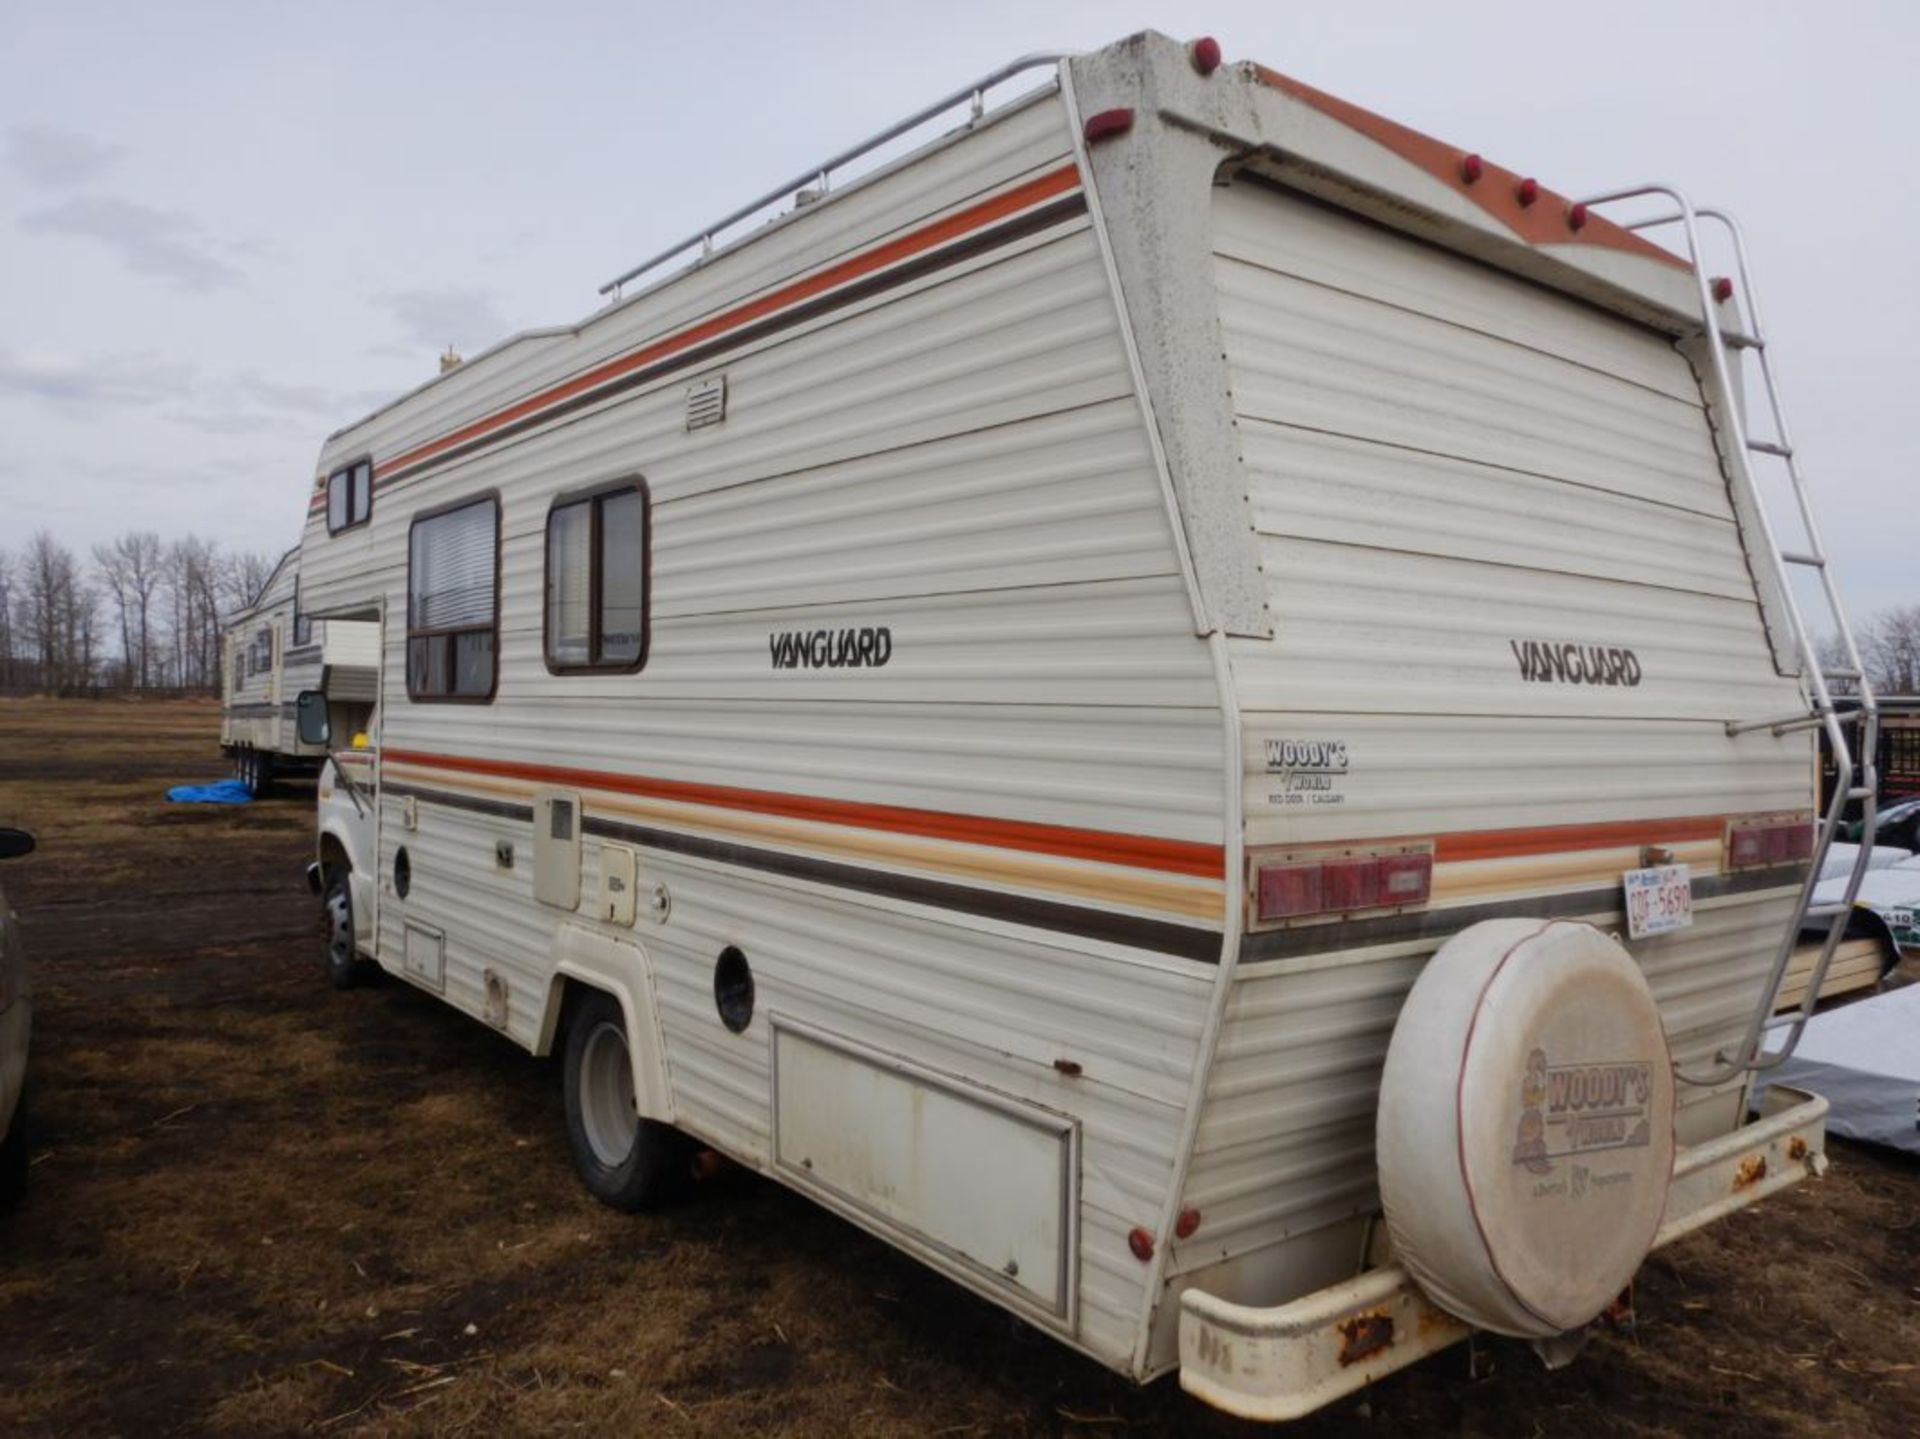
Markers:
point(311, 710)
point(14, 843)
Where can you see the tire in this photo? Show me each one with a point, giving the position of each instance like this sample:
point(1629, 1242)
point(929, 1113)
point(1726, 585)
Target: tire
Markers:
point(626, 1162)
point(345, 968)
point(13, 1158)
point(260, 774)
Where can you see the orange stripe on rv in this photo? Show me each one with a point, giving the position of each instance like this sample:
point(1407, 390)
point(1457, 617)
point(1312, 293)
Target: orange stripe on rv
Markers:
point(1136, 851)
point(1021, 197)
point(1569, 838)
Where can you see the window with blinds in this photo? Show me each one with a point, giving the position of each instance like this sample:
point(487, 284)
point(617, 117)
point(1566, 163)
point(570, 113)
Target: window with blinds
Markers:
point(453, 611)
point(596, 607)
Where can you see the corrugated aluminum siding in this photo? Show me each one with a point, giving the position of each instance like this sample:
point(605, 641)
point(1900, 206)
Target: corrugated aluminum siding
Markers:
point(1441, 459)
point(962, 460)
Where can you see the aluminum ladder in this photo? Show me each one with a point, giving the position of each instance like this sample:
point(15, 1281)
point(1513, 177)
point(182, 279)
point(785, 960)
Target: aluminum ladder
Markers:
point(1855, 774)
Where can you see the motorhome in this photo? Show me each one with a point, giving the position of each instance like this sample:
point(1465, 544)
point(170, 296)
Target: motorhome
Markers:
point(273, 653)
point(977, 686)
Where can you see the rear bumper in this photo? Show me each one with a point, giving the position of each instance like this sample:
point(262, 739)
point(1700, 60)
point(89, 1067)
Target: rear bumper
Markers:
point(1286, 1361)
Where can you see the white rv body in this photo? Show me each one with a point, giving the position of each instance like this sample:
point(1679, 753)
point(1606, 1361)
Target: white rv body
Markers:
point(1229, 485)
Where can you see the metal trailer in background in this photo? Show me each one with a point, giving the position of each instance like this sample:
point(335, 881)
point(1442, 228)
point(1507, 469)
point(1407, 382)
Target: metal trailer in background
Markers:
point(981, 695)
point(274, 652)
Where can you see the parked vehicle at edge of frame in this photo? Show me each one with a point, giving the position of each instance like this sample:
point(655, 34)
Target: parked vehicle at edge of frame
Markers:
point(16, 1027)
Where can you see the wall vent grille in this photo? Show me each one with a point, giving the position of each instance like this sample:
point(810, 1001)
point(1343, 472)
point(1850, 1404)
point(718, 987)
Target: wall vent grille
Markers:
point(707, 403)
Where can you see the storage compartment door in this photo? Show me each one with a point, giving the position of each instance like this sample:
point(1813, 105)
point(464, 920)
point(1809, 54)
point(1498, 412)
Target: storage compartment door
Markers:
point(976, 1183)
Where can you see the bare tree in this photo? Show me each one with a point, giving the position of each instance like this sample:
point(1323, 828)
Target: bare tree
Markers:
point(131, 568)
point(244, 574)
point(1890, 646)
point(7, 661)
point(57, 618)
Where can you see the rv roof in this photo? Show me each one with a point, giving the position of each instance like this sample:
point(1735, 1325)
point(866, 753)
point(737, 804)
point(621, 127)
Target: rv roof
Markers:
point(1531, 212)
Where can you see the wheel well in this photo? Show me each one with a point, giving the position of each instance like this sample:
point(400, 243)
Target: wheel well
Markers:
point(333, 856)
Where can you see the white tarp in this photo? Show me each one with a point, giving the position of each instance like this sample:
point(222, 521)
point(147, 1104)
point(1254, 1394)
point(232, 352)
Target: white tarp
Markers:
point(1865, 1058)
point(1840, 858)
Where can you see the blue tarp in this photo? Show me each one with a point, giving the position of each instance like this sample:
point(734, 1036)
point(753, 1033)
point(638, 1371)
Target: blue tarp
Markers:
point(225, 791)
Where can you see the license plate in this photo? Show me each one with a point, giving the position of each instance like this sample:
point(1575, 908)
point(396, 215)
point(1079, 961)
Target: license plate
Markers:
point(1659, 900)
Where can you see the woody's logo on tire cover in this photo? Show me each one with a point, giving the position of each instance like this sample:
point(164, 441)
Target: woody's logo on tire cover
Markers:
point(1525, 1131)
point(1580, 1109)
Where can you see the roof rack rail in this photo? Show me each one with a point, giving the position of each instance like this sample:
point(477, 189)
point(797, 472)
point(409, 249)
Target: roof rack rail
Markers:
point(974, 94)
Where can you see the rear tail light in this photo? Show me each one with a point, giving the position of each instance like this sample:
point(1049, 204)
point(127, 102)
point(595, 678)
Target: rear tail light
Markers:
point(1304, 886)
point(1766, 843)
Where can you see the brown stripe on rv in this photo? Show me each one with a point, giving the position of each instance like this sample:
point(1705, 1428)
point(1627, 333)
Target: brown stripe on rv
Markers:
point(926, 249)
point(1435, 926)
point(1109, 926)
point(1135, 851)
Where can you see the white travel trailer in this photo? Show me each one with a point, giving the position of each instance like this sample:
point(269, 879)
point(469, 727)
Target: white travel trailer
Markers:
point(980, 697)
point(275, 652)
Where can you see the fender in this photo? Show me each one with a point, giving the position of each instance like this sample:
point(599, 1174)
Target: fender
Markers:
point(623, 969)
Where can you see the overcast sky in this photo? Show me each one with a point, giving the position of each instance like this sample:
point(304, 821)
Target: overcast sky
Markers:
point(227, 229)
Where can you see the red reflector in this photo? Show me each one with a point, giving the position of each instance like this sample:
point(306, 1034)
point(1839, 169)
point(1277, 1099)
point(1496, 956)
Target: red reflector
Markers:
point(1471, 169)
point(1799, 842)
point(1141, 1243)
point(1406, 878)
point(1746, 847)
point(1107, 124)
point(1205, 54)
point(1353, 884)
point(1287, 890)
point(1188, 1221)
point(1528, 192)
point(1722, 289)
point(1576, 217)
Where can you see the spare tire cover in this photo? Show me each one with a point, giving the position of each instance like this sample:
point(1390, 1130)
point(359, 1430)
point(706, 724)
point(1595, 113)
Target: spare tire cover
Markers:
point(1525, 1126)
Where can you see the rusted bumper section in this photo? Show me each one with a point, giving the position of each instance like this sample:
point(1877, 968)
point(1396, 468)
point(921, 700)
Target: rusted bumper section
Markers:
point(1289, 1360)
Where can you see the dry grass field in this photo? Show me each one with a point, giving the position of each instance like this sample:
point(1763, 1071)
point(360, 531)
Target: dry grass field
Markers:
point(263, 1207)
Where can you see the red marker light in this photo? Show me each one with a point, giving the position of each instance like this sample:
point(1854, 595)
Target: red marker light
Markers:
point(1205, 54)
point(1722, 289)
point(1576, 217)
point(1141, 1243)
point(1107, 124)
point(1188, 1221)
point(1528, 191)
point(1471, 169)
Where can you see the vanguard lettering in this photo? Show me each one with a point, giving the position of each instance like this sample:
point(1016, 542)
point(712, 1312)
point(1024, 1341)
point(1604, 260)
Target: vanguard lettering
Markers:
point(1545, 662)
point(831, 649)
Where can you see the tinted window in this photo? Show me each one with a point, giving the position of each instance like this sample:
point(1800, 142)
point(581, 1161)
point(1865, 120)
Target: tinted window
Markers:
point(596, 603)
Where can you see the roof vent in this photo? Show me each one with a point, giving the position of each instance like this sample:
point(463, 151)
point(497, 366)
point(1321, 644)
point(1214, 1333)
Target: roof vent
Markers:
point(707, 403)
point(450, 361)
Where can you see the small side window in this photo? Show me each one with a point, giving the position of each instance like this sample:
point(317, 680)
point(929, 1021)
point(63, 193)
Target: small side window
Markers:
point(596, 590)
point(302, 630)
point(349, 496)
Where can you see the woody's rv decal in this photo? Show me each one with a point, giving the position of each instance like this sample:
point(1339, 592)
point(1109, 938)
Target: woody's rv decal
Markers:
point(1002, 770)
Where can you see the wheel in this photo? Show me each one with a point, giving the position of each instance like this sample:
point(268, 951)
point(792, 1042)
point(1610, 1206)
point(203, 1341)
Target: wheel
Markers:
point(625, 1161)
point(13, 1158)
point(345, 968)
point(259, 772)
